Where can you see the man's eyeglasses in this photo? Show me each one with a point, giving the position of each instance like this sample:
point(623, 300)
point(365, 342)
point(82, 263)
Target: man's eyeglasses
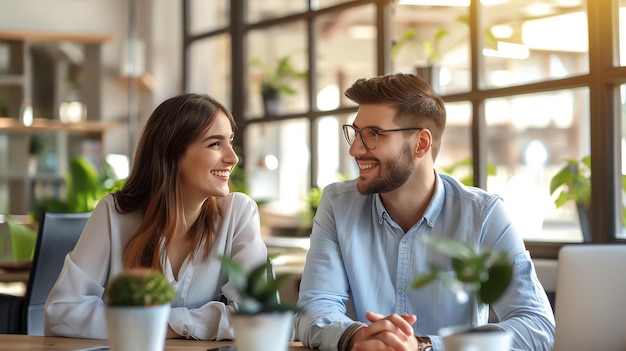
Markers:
point(369, 135)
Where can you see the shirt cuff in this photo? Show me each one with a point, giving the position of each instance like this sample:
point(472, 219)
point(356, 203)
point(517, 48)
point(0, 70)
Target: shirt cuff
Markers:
point(344, 341)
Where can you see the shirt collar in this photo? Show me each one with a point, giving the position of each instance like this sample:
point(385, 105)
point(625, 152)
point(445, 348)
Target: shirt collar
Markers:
point(432, 210)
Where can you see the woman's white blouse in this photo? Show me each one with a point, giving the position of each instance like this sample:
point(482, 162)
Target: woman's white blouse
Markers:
point(204, 298)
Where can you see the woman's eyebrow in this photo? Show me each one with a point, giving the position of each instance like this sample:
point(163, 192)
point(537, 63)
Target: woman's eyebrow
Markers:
point(218, 136)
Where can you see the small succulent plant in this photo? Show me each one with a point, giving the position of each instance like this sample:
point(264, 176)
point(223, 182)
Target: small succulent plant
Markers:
point(258, 290)
point(139, 287)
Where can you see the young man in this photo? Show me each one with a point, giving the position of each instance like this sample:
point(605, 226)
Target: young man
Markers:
point(366, 246)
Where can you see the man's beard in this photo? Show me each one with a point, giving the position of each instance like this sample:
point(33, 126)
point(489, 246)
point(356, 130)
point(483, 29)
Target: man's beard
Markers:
point(393, 174)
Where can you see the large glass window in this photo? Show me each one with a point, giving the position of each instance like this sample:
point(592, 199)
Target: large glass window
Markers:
point(531, 41)
point(259, 10)
point(208, 15)
point(278, 70)
point(209, 68)
point(433, 41)
point(277, 163)
point(346, 51)
point(538, 98)
point(530, 139)
point(455, 156)
point(338, 164)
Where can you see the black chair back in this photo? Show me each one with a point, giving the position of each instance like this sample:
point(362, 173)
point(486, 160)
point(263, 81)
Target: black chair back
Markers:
point(57, 236)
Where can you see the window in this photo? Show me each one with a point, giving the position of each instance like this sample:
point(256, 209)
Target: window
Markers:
point(525, 91)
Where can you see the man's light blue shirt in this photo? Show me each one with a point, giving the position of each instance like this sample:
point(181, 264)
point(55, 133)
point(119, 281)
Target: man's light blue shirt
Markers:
point(359, 253)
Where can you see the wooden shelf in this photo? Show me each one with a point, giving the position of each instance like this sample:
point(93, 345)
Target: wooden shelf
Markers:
point(47, 36)
point(50, 125)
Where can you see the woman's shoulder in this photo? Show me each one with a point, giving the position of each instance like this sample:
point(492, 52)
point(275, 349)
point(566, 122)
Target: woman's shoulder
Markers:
point(236, 200)
point(107, 200)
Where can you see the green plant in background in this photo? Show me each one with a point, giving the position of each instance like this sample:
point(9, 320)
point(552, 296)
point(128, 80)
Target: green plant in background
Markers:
point(574, 183)
point(23, 239)
point(463, 171)
point(85, 186)
point(258, 290)
point(280, 76)
point(486, 273)
point(430, 48)
point(139, 287)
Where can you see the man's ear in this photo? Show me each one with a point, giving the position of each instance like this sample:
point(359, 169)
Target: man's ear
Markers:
point(424, 143)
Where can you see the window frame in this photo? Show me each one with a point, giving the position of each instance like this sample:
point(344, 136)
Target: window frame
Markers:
point(603, 81)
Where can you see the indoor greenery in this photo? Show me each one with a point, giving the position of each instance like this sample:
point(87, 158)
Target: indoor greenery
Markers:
point(486, 273)
point(573, 181)
point(85, 186)
point(139, 287)
point(23, 239)
point(280, 76)
point(258, 290)
point(463, 171)
point(430, 48)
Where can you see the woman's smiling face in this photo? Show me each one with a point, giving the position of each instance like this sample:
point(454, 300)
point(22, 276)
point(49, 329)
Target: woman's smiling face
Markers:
point(205, 167)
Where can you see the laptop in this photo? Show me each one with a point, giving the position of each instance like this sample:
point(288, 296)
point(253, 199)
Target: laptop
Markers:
point(590, 306)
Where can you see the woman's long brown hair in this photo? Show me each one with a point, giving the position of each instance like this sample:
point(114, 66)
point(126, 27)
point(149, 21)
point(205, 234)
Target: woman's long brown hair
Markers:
point(153, 185)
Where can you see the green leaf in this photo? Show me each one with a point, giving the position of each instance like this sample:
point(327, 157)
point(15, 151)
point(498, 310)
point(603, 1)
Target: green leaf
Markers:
point(23, 240)
point(468, 270)
point(449, 247)
point(236, 274)
point(487, 273)
point(257, 290)
point(500, 276)
point(257, 280)
point(423, 280)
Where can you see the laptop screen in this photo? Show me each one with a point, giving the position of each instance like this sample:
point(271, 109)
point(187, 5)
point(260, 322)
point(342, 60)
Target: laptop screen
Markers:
point(590, 306)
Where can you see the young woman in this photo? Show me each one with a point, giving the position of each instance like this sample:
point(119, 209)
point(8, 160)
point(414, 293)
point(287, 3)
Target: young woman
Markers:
point(175, 213)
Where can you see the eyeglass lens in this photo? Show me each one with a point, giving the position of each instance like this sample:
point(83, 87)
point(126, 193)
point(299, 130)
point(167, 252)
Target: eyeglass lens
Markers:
point(369, 136)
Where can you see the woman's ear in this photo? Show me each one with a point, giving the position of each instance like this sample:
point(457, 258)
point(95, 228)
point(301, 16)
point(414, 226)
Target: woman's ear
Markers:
point(424, 143)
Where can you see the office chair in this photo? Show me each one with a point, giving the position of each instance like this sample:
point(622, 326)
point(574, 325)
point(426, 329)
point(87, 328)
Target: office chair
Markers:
point(57, 236)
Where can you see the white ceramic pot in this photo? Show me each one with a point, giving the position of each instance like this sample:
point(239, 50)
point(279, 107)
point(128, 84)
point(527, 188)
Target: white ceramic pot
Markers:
point(263, 332)
point(137, 328)
point(485, 338)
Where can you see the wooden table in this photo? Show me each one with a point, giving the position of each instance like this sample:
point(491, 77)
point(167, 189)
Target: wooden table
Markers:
point(11, 342)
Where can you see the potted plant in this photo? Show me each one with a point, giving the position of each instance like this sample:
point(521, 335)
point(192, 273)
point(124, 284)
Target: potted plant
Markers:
point(23, 238)
point(429, 49)
point(137, 309)
point(573, 181)
point(476, 276)
point(262, 322)
point(85, 186)
point(276, 80)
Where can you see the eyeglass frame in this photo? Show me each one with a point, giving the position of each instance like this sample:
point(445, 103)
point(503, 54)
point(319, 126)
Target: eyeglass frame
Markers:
point(376, 131)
